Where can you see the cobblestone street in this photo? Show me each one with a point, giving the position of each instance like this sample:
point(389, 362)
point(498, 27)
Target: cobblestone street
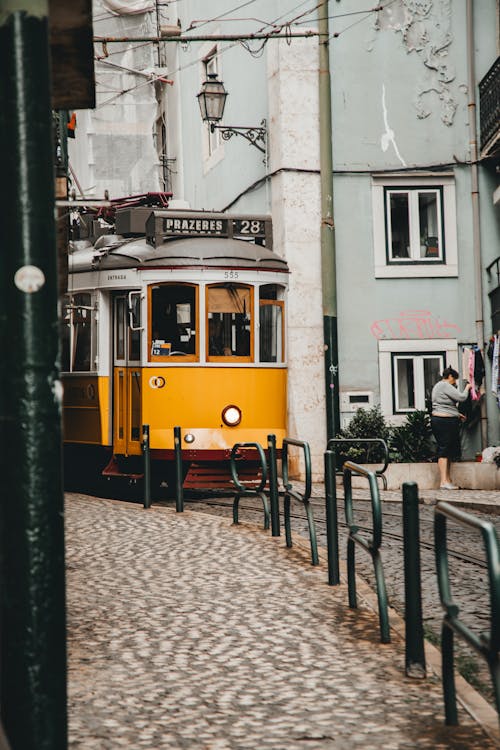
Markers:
point(470, 580)
point(188, 632)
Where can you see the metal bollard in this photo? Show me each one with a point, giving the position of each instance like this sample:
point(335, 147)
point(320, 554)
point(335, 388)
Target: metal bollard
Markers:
point(179, 494)
point(332, 533)
point(414, 632)
point(147, 465)
point(273, 486)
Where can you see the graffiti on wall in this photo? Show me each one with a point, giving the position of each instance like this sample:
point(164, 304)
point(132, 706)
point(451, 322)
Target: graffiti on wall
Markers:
point(414, 324)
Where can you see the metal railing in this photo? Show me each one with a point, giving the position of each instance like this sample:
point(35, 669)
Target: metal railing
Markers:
point(489, 109)
point(147, 465)
point(373, 443)
point(246, 490)
point(332, 529)
point(414, 629)
point(179, 490)
point(302, 497)
point(486, 644)
point(371, 545)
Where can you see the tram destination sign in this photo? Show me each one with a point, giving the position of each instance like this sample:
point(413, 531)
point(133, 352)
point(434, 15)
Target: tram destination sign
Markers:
point(163, 225)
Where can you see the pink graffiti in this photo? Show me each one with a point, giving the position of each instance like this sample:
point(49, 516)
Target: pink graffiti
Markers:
point(414, 324)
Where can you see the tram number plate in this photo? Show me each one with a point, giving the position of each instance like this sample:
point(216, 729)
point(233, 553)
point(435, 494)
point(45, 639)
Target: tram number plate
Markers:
point(249, 227)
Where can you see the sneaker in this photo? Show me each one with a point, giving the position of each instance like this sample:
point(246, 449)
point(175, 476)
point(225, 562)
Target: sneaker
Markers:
point(448, 486)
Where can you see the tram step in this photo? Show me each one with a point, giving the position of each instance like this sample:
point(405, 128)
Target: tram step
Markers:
point(208, 476)
point(113, 470)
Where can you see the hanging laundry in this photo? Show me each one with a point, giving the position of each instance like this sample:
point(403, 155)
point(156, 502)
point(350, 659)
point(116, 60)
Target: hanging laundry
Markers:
point(479, 368)
point(495, 368)
point(473, 370)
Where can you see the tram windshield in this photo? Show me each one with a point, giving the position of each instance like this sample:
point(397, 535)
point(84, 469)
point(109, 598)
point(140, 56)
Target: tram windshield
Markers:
point(229, 313)
point(173, 321)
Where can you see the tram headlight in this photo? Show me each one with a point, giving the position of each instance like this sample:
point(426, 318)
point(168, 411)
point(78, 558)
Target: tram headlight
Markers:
point(231, 415)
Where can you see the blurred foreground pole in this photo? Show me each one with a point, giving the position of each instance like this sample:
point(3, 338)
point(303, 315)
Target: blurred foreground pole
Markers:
point(33, 635)
point(328, 249)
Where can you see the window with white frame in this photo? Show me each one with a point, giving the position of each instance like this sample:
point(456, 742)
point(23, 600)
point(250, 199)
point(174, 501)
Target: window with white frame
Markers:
point(413, 378)
point(414, 226)
point(409, 369)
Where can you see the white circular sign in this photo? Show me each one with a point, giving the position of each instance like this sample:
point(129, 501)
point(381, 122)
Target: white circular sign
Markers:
point(29, 279)
point(156, 381)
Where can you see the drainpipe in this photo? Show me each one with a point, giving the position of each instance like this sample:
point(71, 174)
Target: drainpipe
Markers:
point(328, 263)
point(476, 228)
point(32, 596)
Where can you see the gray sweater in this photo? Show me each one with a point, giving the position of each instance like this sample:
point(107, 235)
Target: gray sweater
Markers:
point(445, 397)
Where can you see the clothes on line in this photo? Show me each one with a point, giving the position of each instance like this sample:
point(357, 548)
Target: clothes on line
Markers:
point(473, 370)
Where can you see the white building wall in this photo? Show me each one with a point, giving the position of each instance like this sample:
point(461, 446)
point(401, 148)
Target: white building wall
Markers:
point(114, 149)
point(296, 211)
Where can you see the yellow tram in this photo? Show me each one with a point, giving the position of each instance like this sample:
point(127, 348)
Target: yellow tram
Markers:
point(178, 318)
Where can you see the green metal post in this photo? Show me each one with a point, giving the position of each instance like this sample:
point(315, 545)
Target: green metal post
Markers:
point(273, 486)
point(332, 533)
point(147, 465)
point(33, 638)
point(179, 493)
point(414, 638)
point(328, 259)
point(351, 547)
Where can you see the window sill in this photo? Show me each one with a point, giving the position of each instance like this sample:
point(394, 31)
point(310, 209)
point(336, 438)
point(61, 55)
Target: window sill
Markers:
point(415, 270)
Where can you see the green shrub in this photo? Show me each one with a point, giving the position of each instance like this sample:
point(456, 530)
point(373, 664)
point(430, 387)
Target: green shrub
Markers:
point(412, 441)
point(366, 423)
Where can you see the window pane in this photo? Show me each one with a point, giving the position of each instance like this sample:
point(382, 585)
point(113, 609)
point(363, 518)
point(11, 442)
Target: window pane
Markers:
point(399, 230)
point(66, 335)
point(173, 321)
point(82, 332)
point(229, 323)
point(428, 219)
point(405, 385)
point(271, 345)
point(433, 366)
point(135, 336)
point(135, 404)
point(120, 328)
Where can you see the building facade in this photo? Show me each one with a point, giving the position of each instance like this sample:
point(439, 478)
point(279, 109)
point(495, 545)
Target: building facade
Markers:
point(415, 190)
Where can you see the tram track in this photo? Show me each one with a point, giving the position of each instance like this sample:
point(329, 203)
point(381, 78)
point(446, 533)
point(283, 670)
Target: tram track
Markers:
point(458, 555)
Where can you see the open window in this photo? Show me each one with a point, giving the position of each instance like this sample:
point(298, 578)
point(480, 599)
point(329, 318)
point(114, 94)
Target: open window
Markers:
point(173, 323)
point(271, 324)
point(414, 376)
point(409, 368)
point(229, 323)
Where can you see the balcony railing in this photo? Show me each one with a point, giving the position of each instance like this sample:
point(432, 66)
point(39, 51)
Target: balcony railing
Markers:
point(493, 271)
point(489, 111)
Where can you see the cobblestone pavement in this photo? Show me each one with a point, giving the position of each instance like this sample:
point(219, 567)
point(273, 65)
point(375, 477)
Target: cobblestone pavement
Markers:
point(469, 581)
point(187, 632)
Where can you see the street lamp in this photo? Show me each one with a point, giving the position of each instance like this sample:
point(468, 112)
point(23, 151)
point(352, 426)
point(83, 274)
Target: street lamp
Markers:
point(212, 100)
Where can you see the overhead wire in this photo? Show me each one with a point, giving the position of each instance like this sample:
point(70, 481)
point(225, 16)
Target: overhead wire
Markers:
point(275, 28)
point(204, 22)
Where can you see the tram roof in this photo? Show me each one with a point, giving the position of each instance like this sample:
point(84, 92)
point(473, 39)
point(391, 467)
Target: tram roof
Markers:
point(114, 251)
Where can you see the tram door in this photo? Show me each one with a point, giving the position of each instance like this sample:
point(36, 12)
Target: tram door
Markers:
point(126, 374)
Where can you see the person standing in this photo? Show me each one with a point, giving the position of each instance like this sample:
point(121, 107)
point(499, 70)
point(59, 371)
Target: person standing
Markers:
point(445, 423)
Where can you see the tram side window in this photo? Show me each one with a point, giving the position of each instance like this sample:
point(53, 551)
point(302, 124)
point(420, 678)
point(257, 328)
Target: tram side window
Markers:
point(229, 313)
point(173, 320)
point(271, 319)
point(79, 333)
